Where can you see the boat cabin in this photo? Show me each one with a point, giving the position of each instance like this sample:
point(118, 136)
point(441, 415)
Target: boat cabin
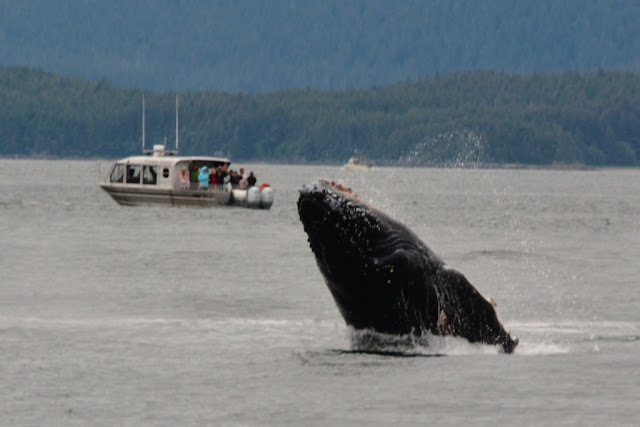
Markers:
point(159, 170)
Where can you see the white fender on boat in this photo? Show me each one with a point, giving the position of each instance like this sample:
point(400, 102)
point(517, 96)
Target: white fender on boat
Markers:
point(253, 197)
point(239, 196)
point(266, 198)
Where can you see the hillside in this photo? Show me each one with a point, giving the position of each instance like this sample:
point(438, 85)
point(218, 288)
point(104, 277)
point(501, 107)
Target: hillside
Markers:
point(460, 118)
point(264, 45)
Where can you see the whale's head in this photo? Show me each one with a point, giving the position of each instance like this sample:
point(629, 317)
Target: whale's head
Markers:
point(349, 237)
point(383, 277)
point(366, 257)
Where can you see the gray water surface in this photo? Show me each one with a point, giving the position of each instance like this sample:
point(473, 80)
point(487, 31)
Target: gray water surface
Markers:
point(129, 316)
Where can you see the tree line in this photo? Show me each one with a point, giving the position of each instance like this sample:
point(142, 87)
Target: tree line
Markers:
point(459, 118)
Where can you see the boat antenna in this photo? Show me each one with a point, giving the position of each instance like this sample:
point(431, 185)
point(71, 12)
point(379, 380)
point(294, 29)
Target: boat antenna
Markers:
point(143, 122)
point(172, 152)
point(147, 152)
point(176, 123)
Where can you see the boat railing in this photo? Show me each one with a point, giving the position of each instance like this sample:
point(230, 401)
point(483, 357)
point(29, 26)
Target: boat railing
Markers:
point(195, 186)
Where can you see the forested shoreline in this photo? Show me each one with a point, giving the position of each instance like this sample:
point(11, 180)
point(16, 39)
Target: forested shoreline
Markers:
point(479, 117)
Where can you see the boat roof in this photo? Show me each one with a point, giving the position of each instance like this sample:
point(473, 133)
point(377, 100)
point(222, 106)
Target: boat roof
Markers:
point(171, 160)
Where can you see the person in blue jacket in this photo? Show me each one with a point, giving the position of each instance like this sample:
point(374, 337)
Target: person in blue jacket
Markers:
point(203, 177)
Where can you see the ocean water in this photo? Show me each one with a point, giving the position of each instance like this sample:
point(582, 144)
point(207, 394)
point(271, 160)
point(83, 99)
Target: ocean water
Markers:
point(131, 316)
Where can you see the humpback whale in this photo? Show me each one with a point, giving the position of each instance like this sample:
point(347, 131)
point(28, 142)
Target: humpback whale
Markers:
point(384, 278)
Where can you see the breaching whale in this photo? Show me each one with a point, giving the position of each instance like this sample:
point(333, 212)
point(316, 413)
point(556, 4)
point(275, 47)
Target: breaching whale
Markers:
point(384, 278)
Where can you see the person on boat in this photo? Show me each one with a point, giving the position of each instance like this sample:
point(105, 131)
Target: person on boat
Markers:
point(131, 175)
point(251, 180)
point(203, 178)
point(221, 174)
point(233, 178)
point(193, 173)
point(243, 184)
point(184, 178)
point(212, 178)
point(240, 174)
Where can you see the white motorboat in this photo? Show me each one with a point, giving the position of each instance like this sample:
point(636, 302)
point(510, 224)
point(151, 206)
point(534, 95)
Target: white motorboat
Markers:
point(355, 163)
point(154, 179)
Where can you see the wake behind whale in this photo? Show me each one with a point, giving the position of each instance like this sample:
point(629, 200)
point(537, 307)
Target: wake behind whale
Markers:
point(384, 278)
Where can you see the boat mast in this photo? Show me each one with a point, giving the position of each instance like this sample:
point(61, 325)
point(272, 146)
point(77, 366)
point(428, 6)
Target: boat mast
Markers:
point(143, 122)
point(176, 123)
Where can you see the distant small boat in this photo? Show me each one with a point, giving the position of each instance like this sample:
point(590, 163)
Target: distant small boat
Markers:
point(355, 163)
point(155, 179)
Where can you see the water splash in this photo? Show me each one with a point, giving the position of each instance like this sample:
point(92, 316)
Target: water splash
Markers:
point(460, 147)
point(409, 345)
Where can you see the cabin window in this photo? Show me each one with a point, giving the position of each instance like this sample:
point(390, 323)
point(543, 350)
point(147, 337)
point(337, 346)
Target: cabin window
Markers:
point(117, 174)
point(165, 173)
point(149, 175)
point(133, 174)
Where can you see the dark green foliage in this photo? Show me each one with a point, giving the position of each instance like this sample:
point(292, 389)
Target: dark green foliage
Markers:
point(460, 118)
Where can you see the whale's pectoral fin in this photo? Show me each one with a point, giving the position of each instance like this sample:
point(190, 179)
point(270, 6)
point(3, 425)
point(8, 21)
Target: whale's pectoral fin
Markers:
point(405, 277)
point(399, 267)
point(468, 313)
point(444, 328)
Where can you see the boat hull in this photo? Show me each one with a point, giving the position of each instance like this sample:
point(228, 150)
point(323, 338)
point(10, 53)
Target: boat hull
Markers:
point(162, 197)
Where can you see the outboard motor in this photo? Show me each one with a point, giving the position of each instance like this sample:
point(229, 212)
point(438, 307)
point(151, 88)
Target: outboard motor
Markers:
point(253, 197)
point(266, 197)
